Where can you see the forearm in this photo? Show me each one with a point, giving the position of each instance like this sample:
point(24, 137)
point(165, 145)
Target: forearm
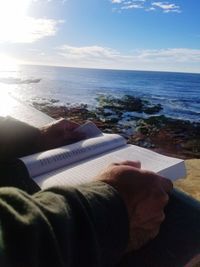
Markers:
point(13, 173)
point(87, 226)
point(17, 138)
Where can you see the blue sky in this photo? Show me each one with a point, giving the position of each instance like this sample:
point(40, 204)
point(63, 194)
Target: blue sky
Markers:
point(117, 34)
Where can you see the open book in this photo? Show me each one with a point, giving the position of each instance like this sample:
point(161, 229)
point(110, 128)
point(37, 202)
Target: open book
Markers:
point(82, 161)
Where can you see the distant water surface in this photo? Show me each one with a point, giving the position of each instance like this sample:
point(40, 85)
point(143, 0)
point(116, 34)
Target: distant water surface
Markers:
point(178, 93)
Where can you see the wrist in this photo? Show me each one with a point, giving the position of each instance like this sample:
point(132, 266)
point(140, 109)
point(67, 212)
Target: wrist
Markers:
point(40, 141)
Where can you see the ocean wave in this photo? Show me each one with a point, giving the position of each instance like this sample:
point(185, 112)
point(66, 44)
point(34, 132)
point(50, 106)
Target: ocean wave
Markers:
point(188, 100)
point(18, 81)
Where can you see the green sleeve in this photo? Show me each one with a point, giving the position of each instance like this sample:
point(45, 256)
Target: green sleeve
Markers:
point(17, 138)
point(13, 173)
point(83, 226)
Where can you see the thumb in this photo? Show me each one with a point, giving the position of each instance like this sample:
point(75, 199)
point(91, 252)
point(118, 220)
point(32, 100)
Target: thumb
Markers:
point(135, 163)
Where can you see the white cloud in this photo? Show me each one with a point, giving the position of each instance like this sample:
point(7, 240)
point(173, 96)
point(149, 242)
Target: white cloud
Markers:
point(171, 59)
point(28, 30)
point(167, 7)
point(116, 1)
point(97, 52)
point(17, 27)
point(173, 55)
point(88, 53)
point(147, 5)
point(150, 8)
point(95, 56)
point(131, 6)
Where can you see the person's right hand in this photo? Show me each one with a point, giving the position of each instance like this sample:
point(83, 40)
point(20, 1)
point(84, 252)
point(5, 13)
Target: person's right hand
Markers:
point(145, 195)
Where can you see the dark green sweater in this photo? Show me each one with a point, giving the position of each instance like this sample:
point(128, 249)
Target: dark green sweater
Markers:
point(83, 226)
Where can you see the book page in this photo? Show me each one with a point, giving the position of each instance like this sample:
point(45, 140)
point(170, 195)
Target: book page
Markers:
point(47, 161)
point(171, 168)
point(89, 130)
point(22, 111)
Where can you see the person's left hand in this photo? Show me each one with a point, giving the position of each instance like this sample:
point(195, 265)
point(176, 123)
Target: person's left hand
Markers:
point(58, 133)
point(145, 195)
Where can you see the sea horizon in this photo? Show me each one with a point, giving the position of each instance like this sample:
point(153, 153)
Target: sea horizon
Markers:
point(95, 68)
point(177, 92)
point(114, 69)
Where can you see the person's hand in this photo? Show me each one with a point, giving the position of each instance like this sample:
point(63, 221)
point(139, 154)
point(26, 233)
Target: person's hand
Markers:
point(58, 133)
point(145, 195)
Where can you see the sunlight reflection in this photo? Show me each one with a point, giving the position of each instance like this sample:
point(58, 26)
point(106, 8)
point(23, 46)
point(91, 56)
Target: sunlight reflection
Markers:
point(13, 20)
point(6, 102)
point(8, 65)
point(10, 75)
point(8, 70)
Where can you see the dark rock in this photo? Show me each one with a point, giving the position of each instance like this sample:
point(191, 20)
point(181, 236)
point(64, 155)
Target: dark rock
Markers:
point(127, 103)
point(163, 134)
point(153, 109)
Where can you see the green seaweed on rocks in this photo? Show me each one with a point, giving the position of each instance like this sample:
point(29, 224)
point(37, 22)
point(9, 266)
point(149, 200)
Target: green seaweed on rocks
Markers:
point(114, 115)
point(127, 103)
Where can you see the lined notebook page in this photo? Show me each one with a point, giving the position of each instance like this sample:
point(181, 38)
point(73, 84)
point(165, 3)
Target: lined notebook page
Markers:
point(171, 168)
point(47, 161)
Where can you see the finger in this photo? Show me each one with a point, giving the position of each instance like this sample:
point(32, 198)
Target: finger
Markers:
point(66, 124)
point(74, 136)
point(135, 164)
point(155, 220)
point(154, 232)
point(71, 125)
point(163, 199)
point(166, 184)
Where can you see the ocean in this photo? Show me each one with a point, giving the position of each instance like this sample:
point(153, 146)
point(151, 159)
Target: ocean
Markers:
point(178, 93)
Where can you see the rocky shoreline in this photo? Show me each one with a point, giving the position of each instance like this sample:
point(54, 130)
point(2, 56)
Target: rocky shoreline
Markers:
point(138, 120)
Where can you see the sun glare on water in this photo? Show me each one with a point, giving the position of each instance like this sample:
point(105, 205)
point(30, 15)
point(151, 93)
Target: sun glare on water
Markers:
point(6, 102)
point(8, 69)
